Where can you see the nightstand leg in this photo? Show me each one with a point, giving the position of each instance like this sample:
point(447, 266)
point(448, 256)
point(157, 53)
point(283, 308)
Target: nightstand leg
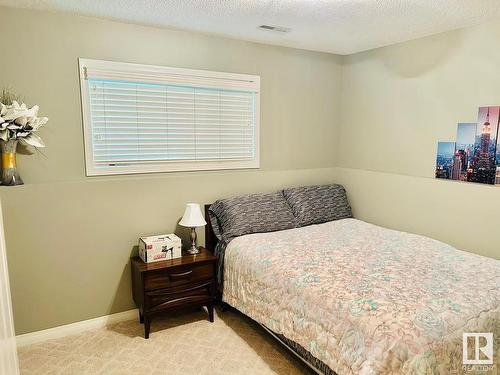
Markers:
point(141, 318)
point(210, 308)
point(147, 326)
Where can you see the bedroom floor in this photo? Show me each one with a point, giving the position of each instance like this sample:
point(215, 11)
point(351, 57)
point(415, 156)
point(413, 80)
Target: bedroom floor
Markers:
point(233, 344)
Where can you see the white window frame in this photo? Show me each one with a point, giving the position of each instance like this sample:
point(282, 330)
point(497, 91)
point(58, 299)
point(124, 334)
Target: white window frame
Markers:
point(166, 75)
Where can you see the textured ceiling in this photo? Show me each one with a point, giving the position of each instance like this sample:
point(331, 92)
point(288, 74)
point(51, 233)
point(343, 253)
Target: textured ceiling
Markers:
point(336, 26)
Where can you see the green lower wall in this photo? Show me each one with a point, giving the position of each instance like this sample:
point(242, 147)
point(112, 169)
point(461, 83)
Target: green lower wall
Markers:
point(69, 256)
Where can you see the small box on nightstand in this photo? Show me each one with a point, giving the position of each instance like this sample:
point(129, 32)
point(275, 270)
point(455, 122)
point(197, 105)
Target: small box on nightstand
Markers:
point(162, 247)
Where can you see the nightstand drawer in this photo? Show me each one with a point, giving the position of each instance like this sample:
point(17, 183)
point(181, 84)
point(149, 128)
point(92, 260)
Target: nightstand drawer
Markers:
point(170, 297)
point(178, 276)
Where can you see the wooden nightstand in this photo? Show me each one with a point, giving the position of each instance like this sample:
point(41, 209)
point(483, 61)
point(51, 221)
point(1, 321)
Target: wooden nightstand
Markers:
point(173, 284)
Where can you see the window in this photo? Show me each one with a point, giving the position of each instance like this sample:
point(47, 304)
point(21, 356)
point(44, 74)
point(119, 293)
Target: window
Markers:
point(141, 118)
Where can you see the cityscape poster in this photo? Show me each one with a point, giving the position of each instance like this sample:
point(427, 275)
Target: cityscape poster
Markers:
point(476, 153)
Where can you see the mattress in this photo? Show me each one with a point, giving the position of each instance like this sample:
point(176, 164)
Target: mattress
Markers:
point(364, 299)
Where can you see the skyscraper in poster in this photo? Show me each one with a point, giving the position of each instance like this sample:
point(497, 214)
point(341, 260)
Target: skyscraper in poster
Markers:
point(484, 144)
point(457, 167)
point(464, 151)
point(459, 171)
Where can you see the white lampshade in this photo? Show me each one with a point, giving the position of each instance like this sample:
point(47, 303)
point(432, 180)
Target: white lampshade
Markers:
point(192, 216)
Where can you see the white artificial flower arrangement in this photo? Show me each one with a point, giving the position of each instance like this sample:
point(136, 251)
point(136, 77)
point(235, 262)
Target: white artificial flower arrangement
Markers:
point(17, 121)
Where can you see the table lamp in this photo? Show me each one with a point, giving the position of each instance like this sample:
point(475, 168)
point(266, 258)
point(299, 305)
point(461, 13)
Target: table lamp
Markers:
point(193, 218)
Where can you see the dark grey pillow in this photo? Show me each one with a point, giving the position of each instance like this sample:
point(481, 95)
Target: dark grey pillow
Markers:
point(318, 204)
point(250, 213)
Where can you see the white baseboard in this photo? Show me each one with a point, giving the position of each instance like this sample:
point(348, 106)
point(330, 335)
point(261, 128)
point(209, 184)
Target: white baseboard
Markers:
point(73, 328)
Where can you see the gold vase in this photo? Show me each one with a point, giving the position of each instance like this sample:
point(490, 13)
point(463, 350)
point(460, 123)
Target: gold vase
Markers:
point(10, 176)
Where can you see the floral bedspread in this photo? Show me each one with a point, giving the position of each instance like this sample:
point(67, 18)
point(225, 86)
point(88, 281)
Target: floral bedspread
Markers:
point(365, 299)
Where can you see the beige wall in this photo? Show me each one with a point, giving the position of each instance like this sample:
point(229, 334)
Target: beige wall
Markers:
point(397, 102)
point(69, 237)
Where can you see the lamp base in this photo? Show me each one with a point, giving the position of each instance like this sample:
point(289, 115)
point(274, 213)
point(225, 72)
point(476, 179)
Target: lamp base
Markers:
point(193, 250)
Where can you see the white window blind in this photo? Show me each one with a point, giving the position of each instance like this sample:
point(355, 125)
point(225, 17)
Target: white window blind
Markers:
point(151, 119)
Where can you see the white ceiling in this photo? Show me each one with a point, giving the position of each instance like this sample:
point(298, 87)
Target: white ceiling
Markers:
point(336, 26)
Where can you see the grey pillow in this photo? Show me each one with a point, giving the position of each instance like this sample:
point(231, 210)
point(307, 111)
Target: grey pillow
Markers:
point(250, 213)
point(318, 204)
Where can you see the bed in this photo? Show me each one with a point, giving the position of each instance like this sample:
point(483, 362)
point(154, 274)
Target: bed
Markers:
point(350, 297)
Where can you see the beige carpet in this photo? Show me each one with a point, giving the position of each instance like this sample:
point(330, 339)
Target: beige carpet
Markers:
point(181, 344)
